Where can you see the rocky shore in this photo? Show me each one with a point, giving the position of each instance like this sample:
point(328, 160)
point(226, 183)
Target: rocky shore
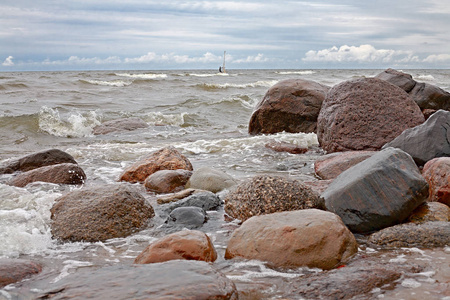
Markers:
point(383, 183)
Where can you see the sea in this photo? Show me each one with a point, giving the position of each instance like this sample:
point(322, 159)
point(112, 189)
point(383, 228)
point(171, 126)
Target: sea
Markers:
point(204, 115)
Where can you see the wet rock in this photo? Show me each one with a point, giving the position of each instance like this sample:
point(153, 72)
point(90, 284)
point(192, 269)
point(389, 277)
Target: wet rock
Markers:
point(205, 200)
point(310, 237)
point(186, 244)
point(99, 213)
point(331, 165)
point(290, 105)
point(426, 141)
point(175, 279)
point(365, 114)
point(430, 211)
point(15, 270)
point(427, 96)
point(164, 159)
point(66, 173)
point(437, 173)
point(167, 181)
point(125, 124)
point(190, 217)
point(209, 179)
point(428, 234)
point(37, 160)
point(286, 147)
point(177, 196)
point(268, 194)
point(380, 191)
point(318, 187)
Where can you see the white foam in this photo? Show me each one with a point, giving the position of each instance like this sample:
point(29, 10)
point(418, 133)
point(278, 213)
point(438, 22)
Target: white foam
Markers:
point(261, 83)
point(117, 83)
point(306, 72)
point(158, 118)
point(70, 265)
point(410, 283)
point(260, 272)
point(425, 77)
point(143, 76)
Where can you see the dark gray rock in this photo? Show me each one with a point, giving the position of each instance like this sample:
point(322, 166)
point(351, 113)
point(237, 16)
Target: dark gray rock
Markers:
point(426, 141)
point(189, 217)
point(125, 124)
point(378, 192)
point(205, 200)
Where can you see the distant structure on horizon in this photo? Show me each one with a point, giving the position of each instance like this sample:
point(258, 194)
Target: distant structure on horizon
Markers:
point(222, 68)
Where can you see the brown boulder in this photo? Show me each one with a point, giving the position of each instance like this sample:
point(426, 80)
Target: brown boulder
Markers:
point(430, 211)
point(268, 194)
point(99, 213)
point(167, 181)
point(66, 173)
point(365, 114)
point(290, 105)
point(37, 160)
point(310, 237)
point(286, 147)
point(14, 270)
point(437, 173)
point(186, 244)
point(126, 124)
point(331, 165)
point(164, 159)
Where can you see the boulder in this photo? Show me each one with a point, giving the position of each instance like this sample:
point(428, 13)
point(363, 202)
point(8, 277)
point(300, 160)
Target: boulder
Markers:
point(37, 160)
point(331, 165)
point(66, 173)
point(428, 234)
point(164, 159)
point(188, 217)
point(186, 244)
point(426, 141)
point(310, 237)
point(175, 279)
point(430, 211)
point(379, 192)
point(290, 105)
point(437, 173)
point(204, 199)
point(167, 181)
point(365, 114)
point(15, 270)
point(264, 194)
point(209, 179)
point(99, 213)
point(427, 96)
point(125, 124)
point(286, 147)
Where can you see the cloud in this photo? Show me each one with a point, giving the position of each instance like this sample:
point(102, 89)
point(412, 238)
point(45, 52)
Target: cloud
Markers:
point(437, 58)
point(75, 60)
point(252, 59)
point(360, 54)
point(171, 57)
point(8, 62)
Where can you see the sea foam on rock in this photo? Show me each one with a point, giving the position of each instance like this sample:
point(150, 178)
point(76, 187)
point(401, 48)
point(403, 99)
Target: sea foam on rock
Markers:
point(291, 105)
point(365, 114)
point(379, 192)
point(309, 237)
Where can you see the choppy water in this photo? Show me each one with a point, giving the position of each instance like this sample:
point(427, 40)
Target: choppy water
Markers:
point(201, 113)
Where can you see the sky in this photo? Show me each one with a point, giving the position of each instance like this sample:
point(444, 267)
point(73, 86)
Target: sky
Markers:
point(173, 34)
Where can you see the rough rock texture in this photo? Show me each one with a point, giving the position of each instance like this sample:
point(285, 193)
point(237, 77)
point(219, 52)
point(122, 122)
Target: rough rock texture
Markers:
point(264, 194)
point(380, 191)
point(290, 105)
point(205, 200)
point(175, 279)
point(177, 196)
point(14, 270)
point(427, 96)
point(286, 147)
point(126, 124)
point(310, 237)
point(164, 159)
point(37, 160)
point(66, 173)
point(99, 213)
point(428, 234)
point(209, 179)
point(189, 217)
point(167, 181)
point(186, 244)
point(426, 141)
point(365, 114)
point(430, 211)
point(331, 165)
point(437, 173)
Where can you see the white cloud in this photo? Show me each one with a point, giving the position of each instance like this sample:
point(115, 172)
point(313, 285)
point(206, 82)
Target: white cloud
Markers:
point(437, 58)
point(360, 54)
point(75, 60)
point(8, 62)
point(252, 59)
point(171, 57)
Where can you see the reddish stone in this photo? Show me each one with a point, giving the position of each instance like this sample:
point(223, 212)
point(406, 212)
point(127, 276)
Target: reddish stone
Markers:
point(286, 147)
point(331, 165)
point(437, 173)
point(430, 211)
point(167, 181)
point(14, 270)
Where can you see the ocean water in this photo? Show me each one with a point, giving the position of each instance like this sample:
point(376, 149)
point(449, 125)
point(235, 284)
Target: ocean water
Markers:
point(201, 113)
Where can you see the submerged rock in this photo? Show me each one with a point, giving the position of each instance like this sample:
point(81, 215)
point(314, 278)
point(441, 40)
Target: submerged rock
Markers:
point(125, 124)
point(167, 181)
point(365, 114)
point(14, 270)
point(290, 105)
point(310, 237)
point(286, 147)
